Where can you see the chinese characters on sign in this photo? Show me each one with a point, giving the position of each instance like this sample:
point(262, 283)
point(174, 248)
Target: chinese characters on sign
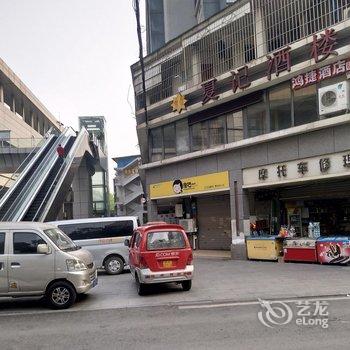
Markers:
point(303, 167)
point(325, 164)
point(323, 46)
point(346, 160)
point(282, 170)
point(209, 90)
point(320, 74)
point(263, 174)
point(240, 79)
point(280, 61)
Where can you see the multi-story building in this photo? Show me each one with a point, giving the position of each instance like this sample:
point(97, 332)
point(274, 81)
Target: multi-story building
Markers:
point(96, 127)
point(167, 19)
point(128, 188)
point(247, 121)
point(24, 120)
point(34, 185)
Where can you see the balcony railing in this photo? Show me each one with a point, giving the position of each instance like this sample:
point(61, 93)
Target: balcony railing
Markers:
point(239, 34)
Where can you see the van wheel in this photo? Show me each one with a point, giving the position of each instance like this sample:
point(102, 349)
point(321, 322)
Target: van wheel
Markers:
point(114, 265)
point(61, 295)
point(141, 287)
point(186, 285)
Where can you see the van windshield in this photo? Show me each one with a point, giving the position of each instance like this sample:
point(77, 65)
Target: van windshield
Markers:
point(61, 240)
point(165, 240)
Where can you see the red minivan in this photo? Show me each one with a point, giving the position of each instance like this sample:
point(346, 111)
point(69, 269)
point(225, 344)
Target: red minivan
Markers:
point(160, 253)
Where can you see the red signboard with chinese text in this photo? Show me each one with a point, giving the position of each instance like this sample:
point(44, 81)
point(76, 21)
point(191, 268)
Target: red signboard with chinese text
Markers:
point(320, 74)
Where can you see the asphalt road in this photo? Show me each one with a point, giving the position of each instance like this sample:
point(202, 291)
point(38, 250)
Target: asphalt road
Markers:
point(215, 280)
point(204, 326)
point(220, 312)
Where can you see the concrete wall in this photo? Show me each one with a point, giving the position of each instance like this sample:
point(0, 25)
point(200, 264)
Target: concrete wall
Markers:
point(17, 126)
point(82, 205)
point(178, 17)
point(315, 143)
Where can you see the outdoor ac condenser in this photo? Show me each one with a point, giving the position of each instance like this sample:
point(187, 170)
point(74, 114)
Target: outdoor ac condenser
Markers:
point(334, 98)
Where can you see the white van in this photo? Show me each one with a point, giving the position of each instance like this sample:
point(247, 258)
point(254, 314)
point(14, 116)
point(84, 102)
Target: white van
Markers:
point(39, 259)
point(103, 238)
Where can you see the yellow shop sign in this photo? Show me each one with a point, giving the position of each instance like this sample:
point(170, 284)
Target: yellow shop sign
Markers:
point(191, 185)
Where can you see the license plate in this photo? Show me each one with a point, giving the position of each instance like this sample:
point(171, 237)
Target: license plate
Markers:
point(167, 263)
point(94, 282)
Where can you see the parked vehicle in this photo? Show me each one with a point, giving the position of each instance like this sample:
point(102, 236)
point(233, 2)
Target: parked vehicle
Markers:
point(39, 259)
point(103, 238)
point(160, 253)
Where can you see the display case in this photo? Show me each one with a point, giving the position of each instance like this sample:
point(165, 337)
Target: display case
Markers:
point(333, 250)
point(299, 249)
point(264, 248)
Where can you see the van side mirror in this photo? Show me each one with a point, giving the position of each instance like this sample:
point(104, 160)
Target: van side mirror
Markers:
point(127, 242)
point(43, 249)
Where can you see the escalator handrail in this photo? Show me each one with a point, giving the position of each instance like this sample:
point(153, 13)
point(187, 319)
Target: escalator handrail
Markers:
point(62, 173)
point(18, 209)
point(24, 167)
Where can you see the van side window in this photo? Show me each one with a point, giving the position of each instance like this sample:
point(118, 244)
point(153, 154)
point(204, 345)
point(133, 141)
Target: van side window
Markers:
point(26, 242)
point(97, 230)
point(2, 243)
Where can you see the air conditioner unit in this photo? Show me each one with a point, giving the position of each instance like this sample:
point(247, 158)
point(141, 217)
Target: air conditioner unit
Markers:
point(333, 98)
point(188, 225)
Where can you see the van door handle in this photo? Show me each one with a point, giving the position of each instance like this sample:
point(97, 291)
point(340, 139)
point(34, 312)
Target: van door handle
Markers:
point(15, 265)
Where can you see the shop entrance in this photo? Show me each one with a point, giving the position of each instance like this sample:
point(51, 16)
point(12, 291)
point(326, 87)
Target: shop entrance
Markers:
point(326, 205)
point(214, 222)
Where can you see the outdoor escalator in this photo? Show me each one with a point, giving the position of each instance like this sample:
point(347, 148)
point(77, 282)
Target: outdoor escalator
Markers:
point(19, 186)
point(37, 205)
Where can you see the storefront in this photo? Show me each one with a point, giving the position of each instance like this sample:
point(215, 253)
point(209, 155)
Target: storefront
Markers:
point(201, 204)
point(304, 201)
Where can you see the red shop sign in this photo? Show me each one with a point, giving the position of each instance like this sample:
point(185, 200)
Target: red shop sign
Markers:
point(320, 74)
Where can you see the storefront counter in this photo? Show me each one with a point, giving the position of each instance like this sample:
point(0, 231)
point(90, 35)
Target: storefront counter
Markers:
point(264, 248)
point(333, 250)
point(299, 249)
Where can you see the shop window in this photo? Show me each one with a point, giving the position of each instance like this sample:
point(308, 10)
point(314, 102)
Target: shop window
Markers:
point(217, 131)
point(234, 122)
point(280, 107)
point(199, 136)
point(156, 144)
point(169, 141)
point(255, 116)
point(305, 105)
point(182, 137)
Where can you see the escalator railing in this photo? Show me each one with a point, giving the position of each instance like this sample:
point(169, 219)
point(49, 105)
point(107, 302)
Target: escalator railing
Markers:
point(20, 172)
point(27, 194)
point(11, 196)
point(37, 206)
point(60, 184)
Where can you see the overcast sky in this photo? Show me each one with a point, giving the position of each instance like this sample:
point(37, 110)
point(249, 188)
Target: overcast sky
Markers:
point(75, 56)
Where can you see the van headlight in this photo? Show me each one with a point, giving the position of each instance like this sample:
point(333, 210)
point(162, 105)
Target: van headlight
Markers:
point(75, 265)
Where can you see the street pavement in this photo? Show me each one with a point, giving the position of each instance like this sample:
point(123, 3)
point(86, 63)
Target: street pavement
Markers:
point(215, 280)
point(170, 327)
point(221, 311)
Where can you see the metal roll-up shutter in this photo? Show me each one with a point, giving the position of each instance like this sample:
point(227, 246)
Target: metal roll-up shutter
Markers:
point(214, 222)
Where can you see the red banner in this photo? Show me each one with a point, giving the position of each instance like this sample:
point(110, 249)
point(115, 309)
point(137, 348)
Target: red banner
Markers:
point(320, 74)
